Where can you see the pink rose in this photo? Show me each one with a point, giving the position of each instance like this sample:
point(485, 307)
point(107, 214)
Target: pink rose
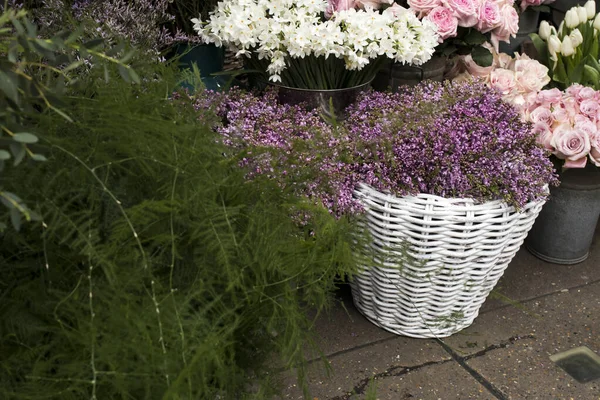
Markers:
point(504, 60)
point(534, 67)
point(503, 80)
point(528, 81)
point(595, 148)
point(551, 96)
point(489, 16)
point(572, 145)
point(585, 125)
point(509, 25)
point(586, 93)
point(338, 5)
point(542, 116)
point(445, 22)
point(465, 10)
point(561, 116)
point(424, 6)
point(543, 135)
point(374, 4)
point(590, 108)
point(396, 10)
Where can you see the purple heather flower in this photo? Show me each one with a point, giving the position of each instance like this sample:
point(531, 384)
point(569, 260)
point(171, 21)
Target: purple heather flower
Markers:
point(452, 140)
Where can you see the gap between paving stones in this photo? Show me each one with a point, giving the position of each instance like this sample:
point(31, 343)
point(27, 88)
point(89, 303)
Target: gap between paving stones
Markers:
point(394, 371)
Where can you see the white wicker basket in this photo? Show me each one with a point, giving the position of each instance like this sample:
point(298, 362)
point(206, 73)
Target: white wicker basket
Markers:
point(458, 250)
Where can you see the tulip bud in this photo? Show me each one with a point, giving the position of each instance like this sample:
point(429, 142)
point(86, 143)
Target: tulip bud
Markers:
point(582, 14)
point(576, 37)
point(545, 31)
point(597, 22)
point(590, 8)
point(571, 18)
point(566, 47)
point(554, 45)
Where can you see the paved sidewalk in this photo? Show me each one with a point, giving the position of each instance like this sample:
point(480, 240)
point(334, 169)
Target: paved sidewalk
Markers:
point(503, 355)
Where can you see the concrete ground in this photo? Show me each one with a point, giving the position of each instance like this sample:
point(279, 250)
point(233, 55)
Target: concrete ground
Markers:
point(537, 310)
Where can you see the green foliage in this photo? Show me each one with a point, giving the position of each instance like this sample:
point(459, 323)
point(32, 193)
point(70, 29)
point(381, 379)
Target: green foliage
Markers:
point(157, 271)
point(34, 74)
point(467, 41)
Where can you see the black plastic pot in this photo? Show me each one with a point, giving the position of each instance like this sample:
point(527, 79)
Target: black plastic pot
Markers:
point(394, 75)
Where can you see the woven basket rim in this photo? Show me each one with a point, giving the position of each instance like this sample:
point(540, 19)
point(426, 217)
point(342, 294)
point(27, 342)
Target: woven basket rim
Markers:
point(465, 202)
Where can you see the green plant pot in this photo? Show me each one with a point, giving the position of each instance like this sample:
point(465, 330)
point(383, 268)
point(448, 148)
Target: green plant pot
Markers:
point(209, 59)
point(564, 230)
point(394, 75)
point(529, 21)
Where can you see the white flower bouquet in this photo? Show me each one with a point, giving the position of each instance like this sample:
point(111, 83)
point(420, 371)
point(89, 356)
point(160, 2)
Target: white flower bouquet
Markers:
point(295, 44)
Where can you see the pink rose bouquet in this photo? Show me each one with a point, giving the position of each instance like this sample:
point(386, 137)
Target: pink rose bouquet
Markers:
point(567, 123)
point(464, 25)
point(517, 79)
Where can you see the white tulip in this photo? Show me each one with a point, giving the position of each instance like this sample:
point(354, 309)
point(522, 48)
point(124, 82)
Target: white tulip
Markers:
point(566, 47)
point(554, 45)
point(582, 14)
point(571, 19)
point(576, 37)
point(590, 8)
point(597, 22)
point(545, 30)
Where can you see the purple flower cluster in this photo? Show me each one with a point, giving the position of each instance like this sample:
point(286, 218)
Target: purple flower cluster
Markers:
point(452, 140)
point(137, 21)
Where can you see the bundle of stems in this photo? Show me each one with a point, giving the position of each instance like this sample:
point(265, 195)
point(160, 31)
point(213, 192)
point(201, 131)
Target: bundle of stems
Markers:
point(320, 73)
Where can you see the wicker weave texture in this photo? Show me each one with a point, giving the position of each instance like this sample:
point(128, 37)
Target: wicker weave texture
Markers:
point(457, 251)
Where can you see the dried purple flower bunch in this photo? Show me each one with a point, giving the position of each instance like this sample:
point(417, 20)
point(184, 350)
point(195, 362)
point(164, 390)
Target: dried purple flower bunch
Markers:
point(452, 140)
point(140, 22)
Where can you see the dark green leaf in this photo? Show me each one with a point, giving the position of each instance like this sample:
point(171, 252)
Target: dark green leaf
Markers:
point(94, 43)
point(482, 56)
point(9, 87)
point(15, 218)
point(475, 38)
point(2, 226)
point(124, 72)
point(4, 155)
point(25, 137)
point(115, 49)
point(18, 152)
point(134, 76)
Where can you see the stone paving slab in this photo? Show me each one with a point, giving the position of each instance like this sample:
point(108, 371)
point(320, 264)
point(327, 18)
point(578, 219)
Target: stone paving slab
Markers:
point(343, 327)
point(511, 349)
point(352, 370)
point(527, 277)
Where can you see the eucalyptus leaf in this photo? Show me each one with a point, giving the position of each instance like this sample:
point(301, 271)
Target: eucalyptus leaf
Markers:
point(93, 44)
point(38, 157)
point(15, 218)
point(124, 72)
point(4, 155)
point(25, 137)
point(18, 152)
point(8, 87)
